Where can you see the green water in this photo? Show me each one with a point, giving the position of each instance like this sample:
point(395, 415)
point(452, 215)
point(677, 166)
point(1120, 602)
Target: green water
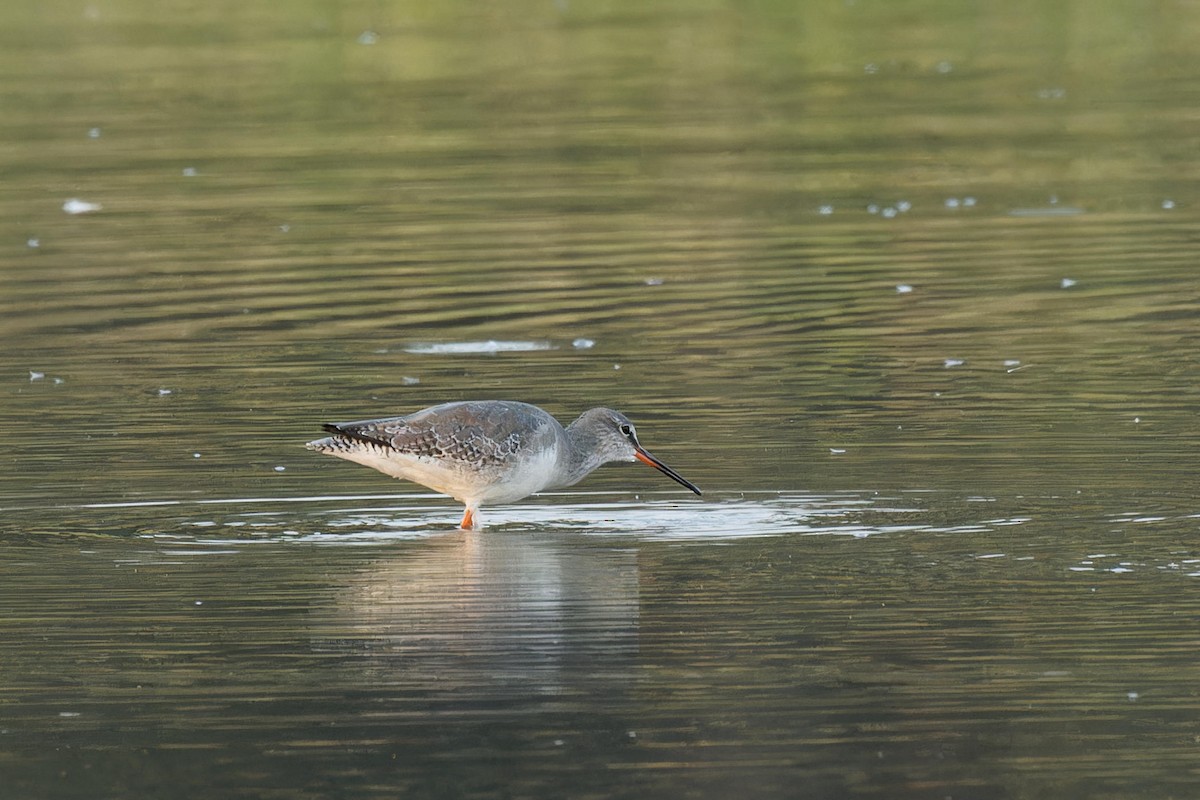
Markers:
point(907, 288)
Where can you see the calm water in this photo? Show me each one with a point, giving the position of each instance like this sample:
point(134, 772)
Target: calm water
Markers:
point(908, 288)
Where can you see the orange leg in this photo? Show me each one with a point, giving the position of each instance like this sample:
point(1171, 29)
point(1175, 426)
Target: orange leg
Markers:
point(468, 521)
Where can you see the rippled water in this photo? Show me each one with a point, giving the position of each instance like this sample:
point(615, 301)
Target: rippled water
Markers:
point(907, 290)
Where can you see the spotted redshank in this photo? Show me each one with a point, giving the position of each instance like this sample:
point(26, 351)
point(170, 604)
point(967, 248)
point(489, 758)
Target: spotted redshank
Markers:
point(483, 452)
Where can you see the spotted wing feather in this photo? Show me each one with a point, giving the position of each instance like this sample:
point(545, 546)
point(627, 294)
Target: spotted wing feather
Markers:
point(466, 433)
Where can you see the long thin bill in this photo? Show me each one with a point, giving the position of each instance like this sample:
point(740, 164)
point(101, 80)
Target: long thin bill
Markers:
point(651, 461)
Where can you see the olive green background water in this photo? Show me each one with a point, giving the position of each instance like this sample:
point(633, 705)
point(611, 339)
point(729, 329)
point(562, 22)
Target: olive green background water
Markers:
point(909, 288)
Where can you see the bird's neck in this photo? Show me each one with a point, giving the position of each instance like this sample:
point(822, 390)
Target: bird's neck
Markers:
point(582, 451)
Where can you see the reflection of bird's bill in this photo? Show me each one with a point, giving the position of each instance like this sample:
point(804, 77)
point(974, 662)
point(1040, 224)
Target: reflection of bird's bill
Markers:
point(651, 461)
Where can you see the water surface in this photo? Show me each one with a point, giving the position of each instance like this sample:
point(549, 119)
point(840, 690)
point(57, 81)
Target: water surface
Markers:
point(908, 290)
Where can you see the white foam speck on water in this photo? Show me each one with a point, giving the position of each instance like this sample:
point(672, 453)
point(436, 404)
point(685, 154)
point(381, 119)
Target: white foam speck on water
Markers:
point(837, 451)
point(189, 172)
point(165, 392)
point(1067, 283)
point(583, 344)
point(77, 206)
point(903, 288)
point(33, 242)
point(825, 210)
point(653, 281)
point(368, 37)
point(408, 380)
point(36, 376)
point(953, 362)
point(1168, 205)
point(1053, 211)
point(476, 348)
point(281, 469)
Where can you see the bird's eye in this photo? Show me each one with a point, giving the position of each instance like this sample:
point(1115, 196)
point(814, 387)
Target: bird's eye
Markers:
point(626, 430)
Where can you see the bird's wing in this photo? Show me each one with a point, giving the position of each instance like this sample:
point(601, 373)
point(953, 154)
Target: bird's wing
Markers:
point(455, 434)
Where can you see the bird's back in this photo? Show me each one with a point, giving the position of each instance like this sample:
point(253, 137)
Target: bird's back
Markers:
point(485, 451)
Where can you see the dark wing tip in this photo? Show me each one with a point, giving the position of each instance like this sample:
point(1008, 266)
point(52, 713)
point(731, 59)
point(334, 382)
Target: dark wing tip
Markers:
point(356, 435)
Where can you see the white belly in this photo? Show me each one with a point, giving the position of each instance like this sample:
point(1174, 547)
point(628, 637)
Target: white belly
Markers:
point(469, 484)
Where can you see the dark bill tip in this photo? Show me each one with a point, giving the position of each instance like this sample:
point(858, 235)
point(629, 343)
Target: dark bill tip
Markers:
point(651, 461)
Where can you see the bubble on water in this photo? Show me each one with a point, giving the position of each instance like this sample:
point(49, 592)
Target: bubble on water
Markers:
point(368, 37)
point(968, 201)
point(476, 348)
point(653, 281)
point(889, 212)
point(953, 362)
point(33, 242)
point(77, 206)
point(93, 133)
point(34, 375)
point(1168, 204)
point(281, 469)
point(903, 206)
point(408, 380)
point(825, 210)
point(903, 288)
point(873, 208)
point(951, 202)
point(583, 344)
point(944, 67)
point(189, 172)
point(1067, 283)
